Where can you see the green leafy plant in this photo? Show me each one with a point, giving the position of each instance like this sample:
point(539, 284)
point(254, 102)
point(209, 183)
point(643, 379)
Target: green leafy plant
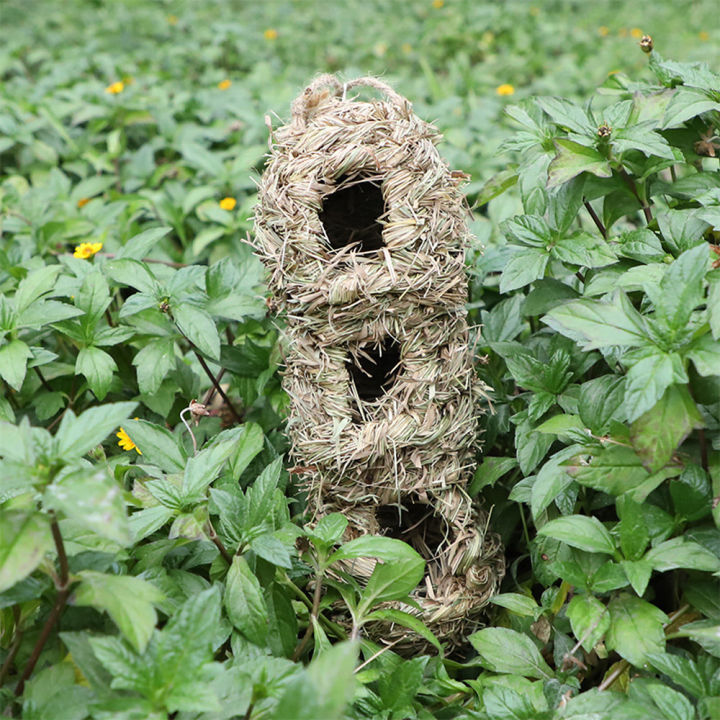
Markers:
point(155, 557)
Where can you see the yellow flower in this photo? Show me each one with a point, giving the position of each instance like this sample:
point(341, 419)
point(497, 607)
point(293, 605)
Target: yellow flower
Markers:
point(270, 34)
point(637, 33)
point(126, 443)
point(505, 89)
point(228, 203)
point(115, 88)
point(437, 4)
point(87, 250)
point(603, 31)
point(704, 35)
point(172, 19)
point(224, 84)
point(82, 202)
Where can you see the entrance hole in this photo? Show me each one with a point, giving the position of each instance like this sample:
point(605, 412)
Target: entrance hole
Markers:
point(374, 368)
point(415, 523)
point(350, 216)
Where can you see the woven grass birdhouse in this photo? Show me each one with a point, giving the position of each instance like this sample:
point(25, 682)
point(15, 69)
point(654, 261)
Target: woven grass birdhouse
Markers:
point(362, 227)
point(363, 230)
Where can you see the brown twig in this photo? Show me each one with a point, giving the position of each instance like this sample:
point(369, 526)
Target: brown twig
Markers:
point(214, 380)
point(63, 587)
point(598, 222)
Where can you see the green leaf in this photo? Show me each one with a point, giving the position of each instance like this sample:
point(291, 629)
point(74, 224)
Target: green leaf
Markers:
point(90, 497)
point(496, 185)
point(128, 600)
point(78, 435)
point(713, 305)
point(681, 670)
point(642, 245)
point(642, 137)
point(98, 367)
point(13, 363)
point(551, 481)
point(138, 246)
point(661, 430)
point(646, 382)
point(24, 540)
point(153, 362)
point(636, 629)
point(36, 284)
point(585, 533)
point(634, 534)
point(329, 530)
point(614, 470)
point(392, 581)
point(600, 324)
point(705, 354)
point(93, 297)
point(638, 572)
point(399, 617)
point(518, 604)
point(248, 445)
point(523, 267)
point(582, 248)
point(270, 548)
point(323, 689)
point(508, 651)
point(387, 549)
point(686, 103)
point(198, 327)
point(530, 230)
point(681, 289)
point(681, 553)
point(572, 159)
point(490, 471)
point(245, 603)
point(134, 273)
point(203, 468)
point(158, 445)
point(589, 620)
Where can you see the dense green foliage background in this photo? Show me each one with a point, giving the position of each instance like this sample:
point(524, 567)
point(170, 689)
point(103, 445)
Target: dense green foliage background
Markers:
point(170, 574)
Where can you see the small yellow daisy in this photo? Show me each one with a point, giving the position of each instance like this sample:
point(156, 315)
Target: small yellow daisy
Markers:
point(224, 84)
point(86, 250)
point(82, 202)
point(437, 4)
point(637, 33)
point(126, 443)
point(228, 203)
point(270, 34)
point(505, 89)
point(115, 88)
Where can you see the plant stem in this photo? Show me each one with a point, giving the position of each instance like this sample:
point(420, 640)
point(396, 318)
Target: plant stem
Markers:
point(598, 222)
point(703, 450)
point(317, 596)
point(44, 382)
point(17, 640)
point(213, 380)
point(614, 675)
point(218, 543)
point(210, 394)
point(300, 595)
point(633, 188)
point(63, 587)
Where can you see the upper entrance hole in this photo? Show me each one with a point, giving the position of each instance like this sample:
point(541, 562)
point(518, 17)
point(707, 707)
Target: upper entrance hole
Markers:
point(350, 215)
point(374, 368)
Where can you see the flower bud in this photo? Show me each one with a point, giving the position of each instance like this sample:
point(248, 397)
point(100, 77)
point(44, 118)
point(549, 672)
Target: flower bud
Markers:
point(604, 131)
point(646, 44)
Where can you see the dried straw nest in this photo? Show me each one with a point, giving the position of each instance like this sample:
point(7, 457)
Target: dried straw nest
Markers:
point(464, 563)
point(363, 229)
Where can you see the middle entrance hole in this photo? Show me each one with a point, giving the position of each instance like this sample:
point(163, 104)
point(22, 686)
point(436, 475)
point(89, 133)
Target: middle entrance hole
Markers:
point(373, 368)
point(351, 215)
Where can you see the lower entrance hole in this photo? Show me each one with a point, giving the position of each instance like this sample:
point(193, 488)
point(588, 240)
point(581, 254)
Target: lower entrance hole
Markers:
point(351, 215)
point(415, 523)
point(374, 368)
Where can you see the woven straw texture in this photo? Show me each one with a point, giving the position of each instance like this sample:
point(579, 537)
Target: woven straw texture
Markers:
point(363, 230)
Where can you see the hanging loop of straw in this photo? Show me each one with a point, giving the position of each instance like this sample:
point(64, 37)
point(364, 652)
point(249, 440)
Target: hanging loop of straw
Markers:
point(317, 91)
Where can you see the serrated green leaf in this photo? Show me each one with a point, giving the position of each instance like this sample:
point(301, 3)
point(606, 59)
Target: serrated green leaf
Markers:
point(508, 651)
